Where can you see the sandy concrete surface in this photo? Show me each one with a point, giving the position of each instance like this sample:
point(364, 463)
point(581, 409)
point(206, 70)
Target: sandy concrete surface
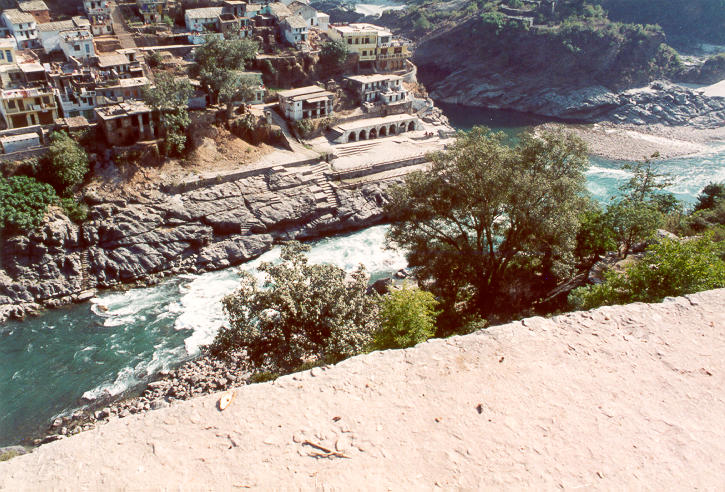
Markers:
point(622, 397)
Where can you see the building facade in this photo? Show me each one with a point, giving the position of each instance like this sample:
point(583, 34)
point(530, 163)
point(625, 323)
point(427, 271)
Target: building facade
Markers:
point(23, 27)
point(309, 102)
point(21, 108)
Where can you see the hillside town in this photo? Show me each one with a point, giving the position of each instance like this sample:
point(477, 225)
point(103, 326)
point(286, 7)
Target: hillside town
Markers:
point(89, 72)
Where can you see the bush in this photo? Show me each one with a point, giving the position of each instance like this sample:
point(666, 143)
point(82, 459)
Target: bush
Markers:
point(407, 317)
point(67, 163)
point(303, 313)
point(76, 211)
point(23, 202)
point(670, 268)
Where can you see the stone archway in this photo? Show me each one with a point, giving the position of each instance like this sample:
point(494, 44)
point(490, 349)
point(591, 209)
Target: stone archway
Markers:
point(352, 137)
point(362, 135)
point(402, 128)
point(383, 131)
point(373, 134)
point(392, 129)
point(411, 126)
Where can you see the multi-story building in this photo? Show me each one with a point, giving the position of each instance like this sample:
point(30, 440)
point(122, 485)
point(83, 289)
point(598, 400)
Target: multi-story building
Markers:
point(361, 39)
point(309, 102)
point(77, 43)
point(153, 11)
point(373, 44)
point(99, 15)
point(392, 52)
point(378, 88)
point(22, 26)
point(127, 123)
point(37, 8)
point(28, 106)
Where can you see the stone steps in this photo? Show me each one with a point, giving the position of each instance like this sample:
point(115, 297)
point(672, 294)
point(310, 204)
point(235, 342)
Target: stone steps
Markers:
point(86, 281)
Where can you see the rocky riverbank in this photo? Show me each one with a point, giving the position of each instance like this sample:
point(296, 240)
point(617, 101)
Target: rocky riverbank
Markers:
point(136, 239)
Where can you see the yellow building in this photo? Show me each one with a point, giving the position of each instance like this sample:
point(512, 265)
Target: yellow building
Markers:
point(361, 39)
point(28, 107)
point(373, 44)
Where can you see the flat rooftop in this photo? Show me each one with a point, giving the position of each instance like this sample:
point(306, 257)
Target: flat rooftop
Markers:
point(383, 120)
point(120, 110)
point(303, 93)
point(377, 77)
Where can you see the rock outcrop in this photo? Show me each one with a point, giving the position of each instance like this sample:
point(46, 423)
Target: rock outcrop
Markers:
point(623, 397)
point(140, 238)
point(536, 71)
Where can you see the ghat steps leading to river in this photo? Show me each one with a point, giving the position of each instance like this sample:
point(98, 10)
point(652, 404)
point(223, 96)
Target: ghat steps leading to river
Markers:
point(620, 397)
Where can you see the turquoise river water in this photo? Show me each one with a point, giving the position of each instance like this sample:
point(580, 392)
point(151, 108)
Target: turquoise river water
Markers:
point(60, 361)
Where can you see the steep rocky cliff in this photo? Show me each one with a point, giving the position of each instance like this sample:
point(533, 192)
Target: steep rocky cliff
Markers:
point(575, 73)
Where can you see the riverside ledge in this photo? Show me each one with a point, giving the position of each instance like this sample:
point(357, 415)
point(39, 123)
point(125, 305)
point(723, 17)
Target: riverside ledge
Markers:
point(623, 396)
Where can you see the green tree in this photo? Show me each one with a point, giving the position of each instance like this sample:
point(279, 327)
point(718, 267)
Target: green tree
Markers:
point(595, 237)
point(23, 202)
point(407, 317)
point(303, 313)
point(711, 195)
point(237, 86)
point(670, 268)
point(170, 98)
point(66, 164)
point(217, 57)
point(333, 55)
point(487, 217)
point(633, 222)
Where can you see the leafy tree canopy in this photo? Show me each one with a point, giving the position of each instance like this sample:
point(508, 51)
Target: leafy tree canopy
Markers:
point(407, 317)
point(66, 164)
point(303, 313)
point(170, 97)
point(670, 268)
point(217, 57)
point(488, 216)
point(23, 202)
point(333, 55)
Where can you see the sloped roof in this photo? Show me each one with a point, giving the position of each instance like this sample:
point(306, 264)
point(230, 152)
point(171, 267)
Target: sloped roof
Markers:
point(56, 26)
point(17, 17)
point(32, 5)
point(279, 10)
point(204, 13)
point(295, 22)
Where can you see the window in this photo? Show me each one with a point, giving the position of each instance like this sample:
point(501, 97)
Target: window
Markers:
point(46, 100)
point(11, 104)
point(9, 55)
point(77, 48)
point(349, 40)
point(88, 48)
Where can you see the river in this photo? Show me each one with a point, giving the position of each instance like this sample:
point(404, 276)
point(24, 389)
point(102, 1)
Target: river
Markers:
point(52, 364)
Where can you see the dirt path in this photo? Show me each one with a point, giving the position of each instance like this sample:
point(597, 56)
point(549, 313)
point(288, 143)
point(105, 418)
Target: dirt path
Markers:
point(623, 397)
point(119, 27)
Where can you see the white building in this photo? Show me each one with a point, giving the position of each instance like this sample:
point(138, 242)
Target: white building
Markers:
point(378, 88)
point(77, 43)
point(49, 34)
point(295, 29)
point(22, 27)
point(306, 103)
point(199, 20)
point(311, 16)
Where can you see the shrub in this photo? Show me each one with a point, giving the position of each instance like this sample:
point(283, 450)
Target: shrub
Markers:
point(66, 164)
point(76, 211)
point(23, 202)
point(670, 268)
point(407, 317)
point(303, 313)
